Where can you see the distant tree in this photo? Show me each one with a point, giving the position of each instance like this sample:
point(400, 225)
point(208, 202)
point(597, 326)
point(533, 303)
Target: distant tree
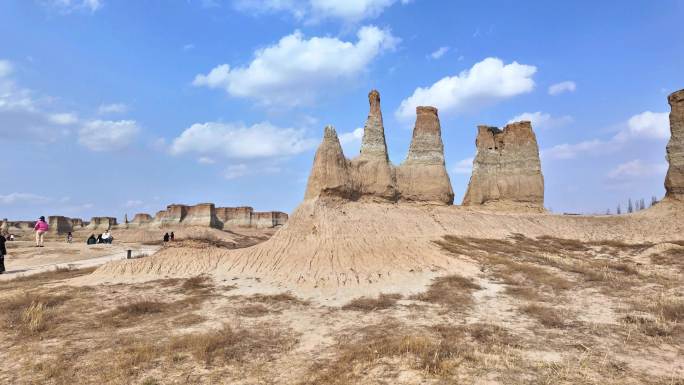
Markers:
point(608, 212)
point(642, 204)
point(630, 206)
point(619, 210)
point(654, 200)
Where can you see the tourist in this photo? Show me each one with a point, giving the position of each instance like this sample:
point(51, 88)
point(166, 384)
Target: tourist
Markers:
point(99, 238)
point(172, 236)
point(40, 228)
point(3, 251)
point(91, 240)
point(11, 237)
point(70, 237)
point(166, 237)
point(107, 237)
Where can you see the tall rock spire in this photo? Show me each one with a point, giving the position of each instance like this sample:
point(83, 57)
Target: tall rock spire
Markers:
point(423, 175)
point(506, 167)
point(674, 181)
point(329, 174)
point(373, 144)
point(371, 172)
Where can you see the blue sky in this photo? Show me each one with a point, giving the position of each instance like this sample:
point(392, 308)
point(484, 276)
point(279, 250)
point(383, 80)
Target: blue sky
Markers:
point(110, 107)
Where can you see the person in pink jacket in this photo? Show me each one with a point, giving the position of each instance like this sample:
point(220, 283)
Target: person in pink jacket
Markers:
point(41, 228)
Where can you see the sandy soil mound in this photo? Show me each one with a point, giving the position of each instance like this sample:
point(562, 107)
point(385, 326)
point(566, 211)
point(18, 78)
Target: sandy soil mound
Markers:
point(333, 245)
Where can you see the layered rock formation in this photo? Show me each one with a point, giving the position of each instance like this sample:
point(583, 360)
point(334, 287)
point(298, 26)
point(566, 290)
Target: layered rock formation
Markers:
point(423, 176)
point(59, 224)
point(141, 219)
point(371, 172)
point(370, 176)
point(330, 173)
point(77, 223)
point(235, 216)
point(507, 167)
point(102, 223)
point(674, 181)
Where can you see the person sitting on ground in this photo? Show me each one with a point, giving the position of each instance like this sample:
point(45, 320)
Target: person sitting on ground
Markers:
point(99, 238)
point(166, 237)
point(40, 228)
point(91, 240)
point(70, 237)
point(172, 236)
point(3, 251)
point(11, 237)
point(107, 237)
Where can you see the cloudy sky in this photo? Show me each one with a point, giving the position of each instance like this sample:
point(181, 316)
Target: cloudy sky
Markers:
point(110, 107)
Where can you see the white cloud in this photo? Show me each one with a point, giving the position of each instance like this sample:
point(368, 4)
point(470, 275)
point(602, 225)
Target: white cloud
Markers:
point(349, 137)
point(559, 88)
point(439, 52)
point(133, 203)
point(464, 166)
point(652, 125)
point(113, 108)
point(646, 125)
point(570, 151)
point(312, 11)
point(205, 160)
point(351, 141)
point(188, 47)
point(18, 197)
point(237, 141)
point(637, 169)
point(541, 120)
point(64, 119)
point(6, 68)
point(236, 171)
point(25, 117)
point(68, 6)
point(486, 83)
point(108, 135)
point(295, 70)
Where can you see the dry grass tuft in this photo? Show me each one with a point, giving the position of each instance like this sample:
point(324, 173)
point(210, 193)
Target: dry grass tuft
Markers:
point(58, 274)
point(453, 291)
point(382, 301)
point(201, 283)
point(31, 314)
point(254, 310)
point(232, 345)
point(277, 299)
point(546, 315)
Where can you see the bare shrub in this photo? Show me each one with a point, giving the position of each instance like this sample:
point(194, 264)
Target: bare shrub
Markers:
point(255, 310)
point(280, 298)
point(29, 313)
point(382, 301)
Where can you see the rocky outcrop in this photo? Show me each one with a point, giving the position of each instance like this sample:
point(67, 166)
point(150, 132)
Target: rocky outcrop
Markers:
point(102, 223)
point(371, 172)
point(674, 180)
point(506, 168)
point(370, 176)
point(423, 176)
point(141, 219)
point(330, 172)
point(235, 216)
point(59, 224)
point(268, 219)
point(203, 214)
point(77, 223)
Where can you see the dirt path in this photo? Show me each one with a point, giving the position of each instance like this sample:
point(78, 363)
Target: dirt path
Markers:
point(78, 264)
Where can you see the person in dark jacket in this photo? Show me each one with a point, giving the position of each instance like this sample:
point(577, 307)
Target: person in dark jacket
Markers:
point(172, 237)
point(91, 240)
point(99, 239)
point(3, 251)
point(166, 237)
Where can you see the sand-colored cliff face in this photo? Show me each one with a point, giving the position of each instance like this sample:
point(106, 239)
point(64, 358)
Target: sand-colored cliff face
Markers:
point(423, 175)
point(59, 224)
point(371, 177)
point(674, 181)
point(102, 223)
point(506, 168)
